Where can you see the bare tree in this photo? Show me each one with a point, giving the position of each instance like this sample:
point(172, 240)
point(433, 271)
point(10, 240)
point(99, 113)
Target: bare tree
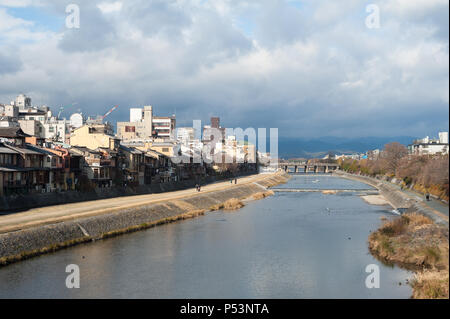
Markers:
point(392, 155)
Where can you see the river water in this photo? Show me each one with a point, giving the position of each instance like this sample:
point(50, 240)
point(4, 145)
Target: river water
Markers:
point(290, 245)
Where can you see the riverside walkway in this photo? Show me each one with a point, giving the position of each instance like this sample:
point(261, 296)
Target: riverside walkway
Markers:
point(435, 209)
point(60, 213)
point(320, 190)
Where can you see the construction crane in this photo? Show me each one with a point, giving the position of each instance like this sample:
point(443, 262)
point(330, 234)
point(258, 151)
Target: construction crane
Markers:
point(109, 112)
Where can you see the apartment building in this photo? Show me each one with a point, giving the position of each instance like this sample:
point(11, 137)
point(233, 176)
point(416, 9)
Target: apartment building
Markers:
point(143, 126)
point(430, 146)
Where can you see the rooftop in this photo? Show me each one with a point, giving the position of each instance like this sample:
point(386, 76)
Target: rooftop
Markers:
point(11, 132)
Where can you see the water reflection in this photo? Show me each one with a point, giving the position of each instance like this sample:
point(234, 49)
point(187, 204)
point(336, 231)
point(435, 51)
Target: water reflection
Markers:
point(290, 245)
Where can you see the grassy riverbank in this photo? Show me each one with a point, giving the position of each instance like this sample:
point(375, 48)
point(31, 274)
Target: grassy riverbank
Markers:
point(414, 241)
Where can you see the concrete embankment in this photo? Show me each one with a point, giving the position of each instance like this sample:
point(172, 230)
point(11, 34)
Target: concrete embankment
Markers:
point(25, 243)
point(396, 198)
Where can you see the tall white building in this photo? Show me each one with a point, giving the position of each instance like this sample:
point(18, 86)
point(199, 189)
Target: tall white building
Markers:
point(22, 101)
point(143, 126)
point(429, 146)
point(443, 137)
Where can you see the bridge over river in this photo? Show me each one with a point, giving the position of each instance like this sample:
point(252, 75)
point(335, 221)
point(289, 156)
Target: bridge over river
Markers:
point(305, 167)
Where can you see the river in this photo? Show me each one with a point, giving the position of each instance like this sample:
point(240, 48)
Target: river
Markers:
point(290, 245)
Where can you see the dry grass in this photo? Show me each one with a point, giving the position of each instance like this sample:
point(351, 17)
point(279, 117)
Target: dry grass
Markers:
point(216, 207)
point(233, 204)
point(430, 284)
point(262, 195)
point(329, 192)
point(414, 240)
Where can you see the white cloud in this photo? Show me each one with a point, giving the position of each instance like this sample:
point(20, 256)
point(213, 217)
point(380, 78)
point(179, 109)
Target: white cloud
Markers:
point(108, 7)
point(8, 22)
point(313, 61)
point(18, 3)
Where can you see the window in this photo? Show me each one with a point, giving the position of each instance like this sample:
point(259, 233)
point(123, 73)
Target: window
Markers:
point(165, 149)
point(130, 129)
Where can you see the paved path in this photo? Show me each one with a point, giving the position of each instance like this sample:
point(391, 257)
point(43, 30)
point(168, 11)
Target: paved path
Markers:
point(59, 213)
point(434, 204)
point(321, 190)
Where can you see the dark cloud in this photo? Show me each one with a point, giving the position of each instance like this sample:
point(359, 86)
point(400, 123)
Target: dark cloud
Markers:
point(310, 68)
point(165, 17)
point(9, 63)
point(95, 32)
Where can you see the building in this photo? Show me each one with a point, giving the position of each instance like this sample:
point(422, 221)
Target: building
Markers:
point(213, 131)
point(13, 136)
point(94, 136)
point(22, 102)
point(22, 169)
point(213, 137)
point(164, 127)
point(443, 137)
point(32, 127)
point(185, 134)
point(9, 110)
point(7, 121)
point(373, 154)
point(36, 121)
point(132, 164)
point(98, 167)
point(429, 146)
point(57, 130)
point(143, 126)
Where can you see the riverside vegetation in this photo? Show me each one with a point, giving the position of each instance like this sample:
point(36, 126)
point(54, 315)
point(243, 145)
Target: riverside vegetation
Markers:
point(421, 173)
point(414, 241)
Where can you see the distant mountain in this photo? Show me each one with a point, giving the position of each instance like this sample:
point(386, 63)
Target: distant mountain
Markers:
point(319, 147)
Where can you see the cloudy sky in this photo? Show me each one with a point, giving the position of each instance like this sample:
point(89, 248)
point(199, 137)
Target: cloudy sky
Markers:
point(311, 68)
